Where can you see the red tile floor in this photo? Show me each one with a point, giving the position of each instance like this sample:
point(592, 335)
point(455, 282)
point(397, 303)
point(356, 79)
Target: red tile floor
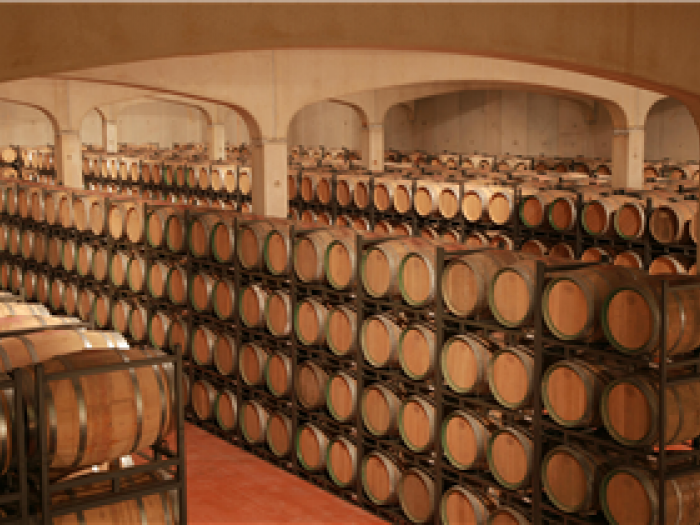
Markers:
point(228, 485)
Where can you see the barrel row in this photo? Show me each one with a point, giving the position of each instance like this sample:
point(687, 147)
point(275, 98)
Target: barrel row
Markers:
point(671, 219)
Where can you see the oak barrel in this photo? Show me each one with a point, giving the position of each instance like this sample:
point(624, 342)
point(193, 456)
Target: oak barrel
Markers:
point(341, 325)
point(311, 384)
point(510, 454)
point(251, 364)
point(278, 313)
point(417, 495)
point(81, 437)
point(571, 477)
point(311, 447)
point(225, 354)
point(379, 341)
point(461, 505)
point(202, 341)
point(203, 399)
point(380, 478)
point(417, 352)
point(630, 410)
point(465, 436)
point(416, 420)
point(251, 305)
point(278, 373)
point(253, 420)
point(224, 298)
point(309, 321)
point(511, 376)
point(630, 496)
point(341, 396)
point(226, 410)
point(279, 434)
point(341, 461)
point(464, 362)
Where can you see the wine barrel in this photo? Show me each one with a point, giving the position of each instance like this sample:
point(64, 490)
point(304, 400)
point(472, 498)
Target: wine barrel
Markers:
point(224, 298)
point(417, 495)
point(250, 241)
point(159, 508)
point(534, 208)
point(670, 222)
point(416, 423)
point(119, 315)
point(83, 263)
point(56, 292)
point(251, 306)
point(380, 478)
point(309, 321)
point(404, 229)
point(501, 205)
point(341, 461)
point(603, 254)
point(426, 199)
point(381, 263)
point(341, 325)
point(89, 213)
point(509, 455)
point(223, 241)
point(512, 293)
point(402, 196)
point(101, 311)
point(27, 241)
point(176, 285)
point(226, 410)
point(311, 251)
point(277, 250)
point(361, 224)
point(570, 477)
point(464, 436)
point(464, 360)
point(86, 299)
point(81, 437)
point(203, 399)
point(279, 434)
point(669, 264)
point(379, 410)
point(225, 354)
point(29, 284)
point(178, 335)
point(253, 420)
point(460, 505)
point(384, 228)
point(100, 263)
point(511, 376)
point(571, 392)
point(383, 194)
point(117, 268)
point(361, 193)
point(379, 341)
point(416, 351)
point(632, 321)
point(343, 191)
point(202, 341)
point(201, 292)
point(278, 313)
point(278, 374)
point(630, 495)
point(200, 232)
point(562, 250)
point(136, 273)
point(341, 396)
point(466, 279)
point(475, 202)
point(157, 329)
point(339, 260)
point(251, 364)
point(598, 213)
point(507, 516)
point(572, 300)
point(311, 384)
point(629, 259)
point(630, 410)
point(165, 228)
point(311, 447)
point(562, 212)
point(534, 247)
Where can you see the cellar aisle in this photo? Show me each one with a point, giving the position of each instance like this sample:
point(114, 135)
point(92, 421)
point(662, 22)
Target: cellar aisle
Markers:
point(228, 485)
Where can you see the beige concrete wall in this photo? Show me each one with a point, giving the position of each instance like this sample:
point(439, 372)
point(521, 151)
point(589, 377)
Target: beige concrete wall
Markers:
point(161, 122)
point(326, 124)
point(91, 129)
point(512, 122)
point(236, 129)
point(671, 132)
point(24, 126)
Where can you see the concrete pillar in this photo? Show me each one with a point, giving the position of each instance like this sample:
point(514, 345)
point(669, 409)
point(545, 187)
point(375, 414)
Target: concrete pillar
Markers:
point(217, 142)
point(376, 147)
point(628, 158)
point(69, 151)
point(270, 177)
point(372, 146)
point(109, 136)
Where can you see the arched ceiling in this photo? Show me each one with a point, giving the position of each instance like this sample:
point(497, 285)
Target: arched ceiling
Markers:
point(653, 46)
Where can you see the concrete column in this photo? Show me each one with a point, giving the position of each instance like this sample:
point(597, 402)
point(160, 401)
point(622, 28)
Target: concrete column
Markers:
point(109, 136)
point(628, 158)
point(69, 158)
point(270, 177)
point(376, 147)
point(364, 146)
point(217, 142)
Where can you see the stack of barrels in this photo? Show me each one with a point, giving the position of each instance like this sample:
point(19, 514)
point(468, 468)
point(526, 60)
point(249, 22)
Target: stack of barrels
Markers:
point(654, 229)
point(140, 405)
point(370, 366)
